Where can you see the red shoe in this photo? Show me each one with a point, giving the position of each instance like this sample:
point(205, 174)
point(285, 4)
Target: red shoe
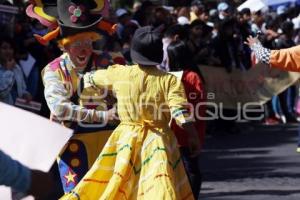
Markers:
point(271, 121)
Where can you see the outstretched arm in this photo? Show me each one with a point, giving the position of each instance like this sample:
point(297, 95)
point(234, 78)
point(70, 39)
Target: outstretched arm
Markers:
point(60, 105)
point(286, 59)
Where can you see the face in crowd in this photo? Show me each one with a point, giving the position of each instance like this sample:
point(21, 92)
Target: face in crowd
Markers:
point(6, 51)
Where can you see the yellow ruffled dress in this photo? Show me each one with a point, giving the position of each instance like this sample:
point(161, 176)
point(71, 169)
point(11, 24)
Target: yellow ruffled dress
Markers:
point(140, 160)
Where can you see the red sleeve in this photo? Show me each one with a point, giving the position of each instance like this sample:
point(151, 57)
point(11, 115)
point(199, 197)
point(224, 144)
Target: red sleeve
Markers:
point(194, 87)
point(195, 92)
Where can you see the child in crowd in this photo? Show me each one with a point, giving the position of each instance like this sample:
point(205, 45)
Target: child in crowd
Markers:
point(181, 59)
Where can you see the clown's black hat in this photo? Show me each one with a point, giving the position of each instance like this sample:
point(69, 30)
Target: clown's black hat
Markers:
point(69, 17)
point(74, 16)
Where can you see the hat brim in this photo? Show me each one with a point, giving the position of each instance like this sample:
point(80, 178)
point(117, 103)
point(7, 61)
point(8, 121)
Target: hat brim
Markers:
point(94, 20)
point(140, 59)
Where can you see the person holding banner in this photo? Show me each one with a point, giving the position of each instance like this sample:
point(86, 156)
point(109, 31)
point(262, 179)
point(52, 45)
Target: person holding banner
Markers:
point(76, 25)
point(286, 59)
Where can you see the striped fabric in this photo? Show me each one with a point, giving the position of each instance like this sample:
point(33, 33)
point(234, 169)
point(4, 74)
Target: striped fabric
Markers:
point(123, 171)
point(61, 81)
point(181, 115)
point(261, 53)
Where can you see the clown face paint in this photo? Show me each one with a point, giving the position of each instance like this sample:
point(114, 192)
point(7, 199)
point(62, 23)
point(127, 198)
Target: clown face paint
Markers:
point(80, 52)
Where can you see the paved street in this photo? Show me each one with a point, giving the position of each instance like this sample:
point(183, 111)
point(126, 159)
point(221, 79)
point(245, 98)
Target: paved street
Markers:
point(259, 164)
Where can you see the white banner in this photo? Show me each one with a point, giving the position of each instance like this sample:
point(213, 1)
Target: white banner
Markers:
point(257, 85)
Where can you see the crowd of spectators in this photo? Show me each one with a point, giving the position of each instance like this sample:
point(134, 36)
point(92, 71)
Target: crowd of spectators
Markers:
point(214, 33)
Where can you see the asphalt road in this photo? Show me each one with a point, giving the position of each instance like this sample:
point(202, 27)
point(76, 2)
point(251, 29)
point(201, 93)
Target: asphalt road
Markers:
point(261, 163)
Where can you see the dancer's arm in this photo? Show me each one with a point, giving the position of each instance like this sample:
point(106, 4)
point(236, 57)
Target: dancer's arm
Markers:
point(104, 78)
point(178, 105)
point(286, 59)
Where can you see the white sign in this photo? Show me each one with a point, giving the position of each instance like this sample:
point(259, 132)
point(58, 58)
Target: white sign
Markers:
point(276, 2)
point(256, 5)
point(253, 5)
point(32, 140)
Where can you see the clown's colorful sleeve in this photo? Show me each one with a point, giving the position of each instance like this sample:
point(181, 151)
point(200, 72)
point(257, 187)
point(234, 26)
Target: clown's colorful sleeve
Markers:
point(285, 59)
point(60, 105)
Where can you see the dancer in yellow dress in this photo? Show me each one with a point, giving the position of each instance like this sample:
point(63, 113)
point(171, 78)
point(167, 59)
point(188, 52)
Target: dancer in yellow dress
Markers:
point(141, 159)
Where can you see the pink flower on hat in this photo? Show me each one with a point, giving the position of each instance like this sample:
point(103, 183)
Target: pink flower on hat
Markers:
point(77, 13)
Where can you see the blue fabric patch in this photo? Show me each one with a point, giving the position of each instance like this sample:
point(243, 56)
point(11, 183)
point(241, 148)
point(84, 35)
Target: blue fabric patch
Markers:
point(71, 175)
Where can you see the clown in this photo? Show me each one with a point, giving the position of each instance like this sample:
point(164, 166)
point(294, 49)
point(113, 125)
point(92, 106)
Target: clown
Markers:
point(76, 25)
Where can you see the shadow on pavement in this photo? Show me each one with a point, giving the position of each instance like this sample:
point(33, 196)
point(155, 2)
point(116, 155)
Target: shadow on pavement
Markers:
point(264, 151)
point(255, 192)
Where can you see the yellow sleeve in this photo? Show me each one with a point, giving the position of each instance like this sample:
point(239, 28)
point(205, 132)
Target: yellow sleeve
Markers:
point(286, 59)
point(103, 78)
point(177, 101)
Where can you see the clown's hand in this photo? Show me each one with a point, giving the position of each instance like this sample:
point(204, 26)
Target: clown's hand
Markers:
point(88, 80)
point(252, 41)
point(261, 53)
point(112, 114)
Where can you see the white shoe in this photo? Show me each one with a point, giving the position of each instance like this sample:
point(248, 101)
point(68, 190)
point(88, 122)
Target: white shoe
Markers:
point(283, 119)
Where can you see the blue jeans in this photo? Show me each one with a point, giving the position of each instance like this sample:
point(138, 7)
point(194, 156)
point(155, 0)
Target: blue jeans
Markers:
point(299, 136)
point(287, 100)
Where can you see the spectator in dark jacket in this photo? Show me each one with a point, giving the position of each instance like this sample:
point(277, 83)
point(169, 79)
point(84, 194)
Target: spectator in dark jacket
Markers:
point(199, 42)
point(228, 47)
point(144, 14)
